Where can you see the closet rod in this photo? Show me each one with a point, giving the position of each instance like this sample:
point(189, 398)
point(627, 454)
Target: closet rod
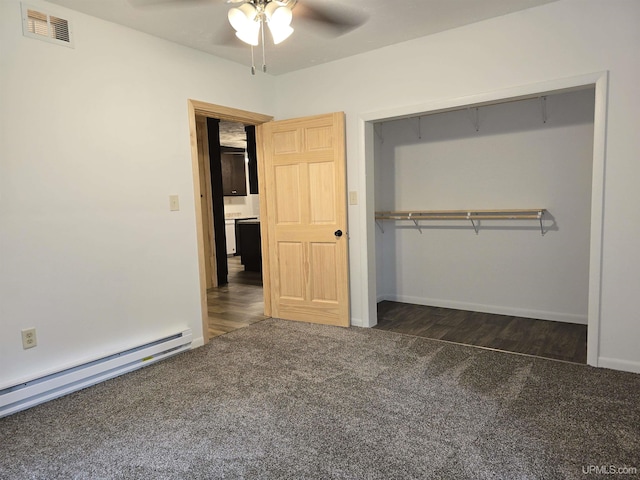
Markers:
point(417, 216)
point(502, 212)
point(471, 215)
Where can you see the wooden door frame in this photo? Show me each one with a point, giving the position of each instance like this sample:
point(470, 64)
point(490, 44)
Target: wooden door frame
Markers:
point(196, 107)
point(205, 193)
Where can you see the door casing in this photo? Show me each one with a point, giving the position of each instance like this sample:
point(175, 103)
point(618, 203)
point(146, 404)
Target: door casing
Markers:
point(196, 107)
point(598, 80)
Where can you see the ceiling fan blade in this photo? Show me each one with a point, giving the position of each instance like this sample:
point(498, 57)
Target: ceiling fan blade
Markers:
point(337, 18)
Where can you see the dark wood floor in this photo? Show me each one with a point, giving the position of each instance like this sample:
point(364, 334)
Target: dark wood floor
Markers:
point(237, 304)
point(240, 303)
point(557, 340)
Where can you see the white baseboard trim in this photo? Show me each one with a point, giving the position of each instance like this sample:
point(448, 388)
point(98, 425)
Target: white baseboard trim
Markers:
point(496, 309)
point(357, 322)
point(617, 364)
point(198, 342)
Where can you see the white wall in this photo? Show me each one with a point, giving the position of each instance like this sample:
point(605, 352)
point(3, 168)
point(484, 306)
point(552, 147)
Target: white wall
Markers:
point(558, 40)
point(93, 140)
point(246, 206)
point(514, 161)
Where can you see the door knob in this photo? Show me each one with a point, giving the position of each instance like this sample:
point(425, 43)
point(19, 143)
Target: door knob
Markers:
point(338, 233)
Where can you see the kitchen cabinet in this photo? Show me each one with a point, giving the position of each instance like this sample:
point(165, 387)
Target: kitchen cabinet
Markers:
point(251, 252)
point(234, 176)
point(230, 233)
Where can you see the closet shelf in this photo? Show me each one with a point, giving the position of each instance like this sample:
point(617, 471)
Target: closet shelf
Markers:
point(471, 215)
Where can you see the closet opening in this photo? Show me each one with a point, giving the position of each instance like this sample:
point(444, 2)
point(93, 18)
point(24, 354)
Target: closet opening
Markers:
point(484, 223)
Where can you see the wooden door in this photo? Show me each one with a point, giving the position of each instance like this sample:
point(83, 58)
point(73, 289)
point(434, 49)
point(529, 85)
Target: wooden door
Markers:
point(305, 180)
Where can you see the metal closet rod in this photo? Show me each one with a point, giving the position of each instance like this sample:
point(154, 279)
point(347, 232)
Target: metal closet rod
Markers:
point(471, 215)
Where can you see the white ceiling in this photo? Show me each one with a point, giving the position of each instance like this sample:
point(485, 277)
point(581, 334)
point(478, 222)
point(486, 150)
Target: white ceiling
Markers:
point(232, 134)
point(203, 25)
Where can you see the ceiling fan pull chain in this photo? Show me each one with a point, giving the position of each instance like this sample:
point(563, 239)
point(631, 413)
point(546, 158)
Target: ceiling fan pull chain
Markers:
point(264, 61)
point(253, 62)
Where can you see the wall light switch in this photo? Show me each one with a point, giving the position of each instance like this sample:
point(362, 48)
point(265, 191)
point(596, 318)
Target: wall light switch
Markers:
point(353, 198)
point(174, 203)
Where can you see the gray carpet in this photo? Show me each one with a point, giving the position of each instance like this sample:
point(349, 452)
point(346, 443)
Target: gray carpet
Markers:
point(290, 400)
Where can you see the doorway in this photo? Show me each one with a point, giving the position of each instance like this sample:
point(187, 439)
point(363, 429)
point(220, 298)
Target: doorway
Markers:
point(599, 80)
point(517, 283)
point(206, 239)
point(237, 301)
point(302, 161)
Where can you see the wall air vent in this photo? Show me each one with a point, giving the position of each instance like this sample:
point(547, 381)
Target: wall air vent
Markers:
point(43, 26)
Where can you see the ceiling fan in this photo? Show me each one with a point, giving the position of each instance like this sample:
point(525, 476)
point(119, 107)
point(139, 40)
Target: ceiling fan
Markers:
point(250, 18)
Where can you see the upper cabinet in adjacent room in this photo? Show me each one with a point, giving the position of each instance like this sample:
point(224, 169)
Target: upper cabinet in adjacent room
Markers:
point(234, 180)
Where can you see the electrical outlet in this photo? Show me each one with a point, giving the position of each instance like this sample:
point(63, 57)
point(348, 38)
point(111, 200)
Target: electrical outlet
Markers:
point(29, 339)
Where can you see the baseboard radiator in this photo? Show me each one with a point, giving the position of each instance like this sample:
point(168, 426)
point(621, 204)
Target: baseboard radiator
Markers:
point(33, 392)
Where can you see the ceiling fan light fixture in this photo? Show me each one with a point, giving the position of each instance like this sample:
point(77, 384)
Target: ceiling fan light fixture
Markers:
point(250, 35)
point(249, 19)
point(241, 18)
point(279, 21)
point(280, 34)
point(277, 15)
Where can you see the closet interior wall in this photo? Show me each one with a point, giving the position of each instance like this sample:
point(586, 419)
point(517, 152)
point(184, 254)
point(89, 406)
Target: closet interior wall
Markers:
point(534, 153)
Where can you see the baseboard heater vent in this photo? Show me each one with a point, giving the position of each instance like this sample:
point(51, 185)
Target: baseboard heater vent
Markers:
point(33, 392)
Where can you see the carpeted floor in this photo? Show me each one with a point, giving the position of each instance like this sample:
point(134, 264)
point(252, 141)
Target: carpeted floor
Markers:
point(297, 401)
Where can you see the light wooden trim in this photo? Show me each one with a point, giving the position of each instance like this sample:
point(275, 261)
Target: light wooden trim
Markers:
point(264, 231)
point(195, 107)
point(229, 114)
point(211, 262)
point(202, 271)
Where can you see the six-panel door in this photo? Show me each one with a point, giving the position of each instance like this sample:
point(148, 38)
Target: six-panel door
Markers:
point(305, 178)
